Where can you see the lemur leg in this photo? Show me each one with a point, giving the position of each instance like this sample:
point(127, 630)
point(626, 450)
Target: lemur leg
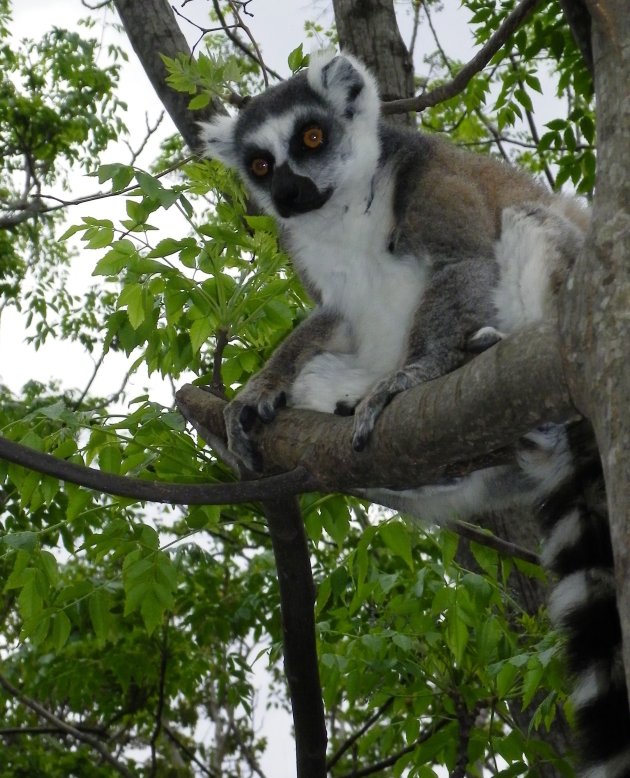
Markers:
point(439, 337)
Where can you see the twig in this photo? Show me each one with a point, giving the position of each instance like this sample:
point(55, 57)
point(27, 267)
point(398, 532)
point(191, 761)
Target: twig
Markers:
point(160, 705)
point(97, 366)
point(483, 538)
point(532, 127)
point(358, 734)
point(217, 385)
point(227, 28)
point(63, 726)
point(234, 6)
point(385, 763)
point(190, 755)
point(150, 131)
point(444, 92)
point(30, 211)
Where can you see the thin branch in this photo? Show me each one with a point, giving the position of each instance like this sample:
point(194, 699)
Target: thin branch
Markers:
point(296, 482)
point(483, 538)
point(444, 92)
point(533, 128)
point(190, 755)
point(390, 761)
point(297, 600)
point(227, 28)
point(30, 211)
point(217, 385)
point(97, 366)
point(13, 731)
point(417, 4)
point(358, 734)
point(63, 726)
point(234, 6)
point(151, 130)
point(161, 700)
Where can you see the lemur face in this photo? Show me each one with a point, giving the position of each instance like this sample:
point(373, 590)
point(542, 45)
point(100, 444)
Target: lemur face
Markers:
point(304, 140)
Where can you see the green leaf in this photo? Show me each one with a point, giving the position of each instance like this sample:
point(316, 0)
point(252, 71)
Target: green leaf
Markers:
point(99, 606)
point(397, 538)
point(60, 630)
point(26, 540)
point(200, 331)
point(200, 101)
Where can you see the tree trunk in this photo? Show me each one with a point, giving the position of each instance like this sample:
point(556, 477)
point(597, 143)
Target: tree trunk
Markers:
point(596, 318)
point(368, 29)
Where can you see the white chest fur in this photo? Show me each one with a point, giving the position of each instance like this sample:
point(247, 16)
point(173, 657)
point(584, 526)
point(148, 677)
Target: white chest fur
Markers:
point(375, 293)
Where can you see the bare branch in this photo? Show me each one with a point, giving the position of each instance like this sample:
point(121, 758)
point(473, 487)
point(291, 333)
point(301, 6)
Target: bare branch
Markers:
point(297, 482)
point(227, 29)
point(511, 23)
point(358, 734)
point(63, 726)
point(385, 763)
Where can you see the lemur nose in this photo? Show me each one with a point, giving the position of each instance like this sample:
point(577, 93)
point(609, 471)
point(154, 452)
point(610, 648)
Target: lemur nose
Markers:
point(285, 187)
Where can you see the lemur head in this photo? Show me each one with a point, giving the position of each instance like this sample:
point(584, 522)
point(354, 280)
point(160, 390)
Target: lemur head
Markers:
point(305, 140)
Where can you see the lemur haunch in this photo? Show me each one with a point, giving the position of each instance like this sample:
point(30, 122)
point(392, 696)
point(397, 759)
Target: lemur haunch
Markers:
point(412, 250)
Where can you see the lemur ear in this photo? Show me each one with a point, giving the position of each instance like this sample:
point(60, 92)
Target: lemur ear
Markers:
point(345, 82)
point(217, 140)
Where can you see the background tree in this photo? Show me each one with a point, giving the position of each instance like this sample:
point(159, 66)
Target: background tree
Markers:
point(126, 627)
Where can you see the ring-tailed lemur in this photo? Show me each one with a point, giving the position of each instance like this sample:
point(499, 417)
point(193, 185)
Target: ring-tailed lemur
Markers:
point(413, 250)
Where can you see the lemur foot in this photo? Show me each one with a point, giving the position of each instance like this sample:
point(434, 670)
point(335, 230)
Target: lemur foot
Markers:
point(242, 422)
point(372, 405)
point(483, 339)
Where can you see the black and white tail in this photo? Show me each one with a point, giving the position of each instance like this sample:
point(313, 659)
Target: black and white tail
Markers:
point(577, 551)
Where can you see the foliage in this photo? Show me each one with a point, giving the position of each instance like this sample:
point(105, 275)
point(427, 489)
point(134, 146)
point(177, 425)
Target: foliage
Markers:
point(498, 109)
point(142, 624)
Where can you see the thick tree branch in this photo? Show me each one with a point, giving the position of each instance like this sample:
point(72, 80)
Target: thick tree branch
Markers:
point(297, 599)
point(457, 423)
point(444, 92)
point(63, 726)
point(579, 20)
point(370, 30)
point(596, 323)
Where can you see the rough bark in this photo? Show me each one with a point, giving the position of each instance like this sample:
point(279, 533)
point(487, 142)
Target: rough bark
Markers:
point(152, 30)
point(368, 29)
point(596, 321)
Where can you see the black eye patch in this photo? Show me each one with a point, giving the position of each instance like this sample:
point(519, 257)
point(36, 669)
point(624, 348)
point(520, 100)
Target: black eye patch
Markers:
point(299, 148)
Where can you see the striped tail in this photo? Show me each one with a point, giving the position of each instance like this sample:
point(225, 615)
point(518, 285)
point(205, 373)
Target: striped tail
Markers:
point(577, 550)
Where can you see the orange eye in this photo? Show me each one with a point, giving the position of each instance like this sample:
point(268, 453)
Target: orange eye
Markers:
point(313, 137)
point(260, 167)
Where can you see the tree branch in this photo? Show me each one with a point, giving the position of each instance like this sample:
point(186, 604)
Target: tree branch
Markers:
point(444, 92)
point(297, 482)
point(297, 600)
point(63, 726)
point(444, 428)
point(347, 744)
